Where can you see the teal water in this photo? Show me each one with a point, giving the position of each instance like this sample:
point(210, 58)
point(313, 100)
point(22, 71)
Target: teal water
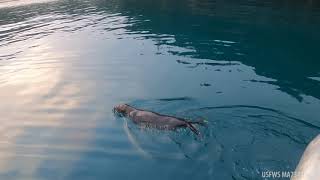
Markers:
point(250, 68)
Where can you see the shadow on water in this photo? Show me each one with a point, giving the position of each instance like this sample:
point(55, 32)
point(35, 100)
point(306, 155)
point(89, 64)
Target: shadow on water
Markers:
point(250, 34)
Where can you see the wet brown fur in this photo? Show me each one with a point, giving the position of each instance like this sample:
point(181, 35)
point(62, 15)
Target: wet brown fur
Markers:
point(155, 120)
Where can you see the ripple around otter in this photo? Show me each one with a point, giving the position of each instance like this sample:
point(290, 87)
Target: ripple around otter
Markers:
point(232, 132)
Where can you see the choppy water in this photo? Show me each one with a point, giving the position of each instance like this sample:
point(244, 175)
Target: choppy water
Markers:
point(250, 68)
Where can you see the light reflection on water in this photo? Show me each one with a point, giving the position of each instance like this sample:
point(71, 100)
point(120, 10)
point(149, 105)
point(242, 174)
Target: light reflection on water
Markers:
point(65, 64)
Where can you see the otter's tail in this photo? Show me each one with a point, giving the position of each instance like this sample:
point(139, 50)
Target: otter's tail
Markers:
point(194, 129)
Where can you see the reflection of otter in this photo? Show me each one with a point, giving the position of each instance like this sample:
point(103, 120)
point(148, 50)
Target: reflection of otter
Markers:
point(155, 120)
point(309, 165)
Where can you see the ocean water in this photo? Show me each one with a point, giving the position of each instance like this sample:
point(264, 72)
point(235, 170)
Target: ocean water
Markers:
point(250, 68)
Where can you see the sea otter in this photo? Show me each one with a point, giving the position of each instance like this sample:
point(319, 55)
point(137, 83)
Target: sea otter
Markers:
point(155, 120)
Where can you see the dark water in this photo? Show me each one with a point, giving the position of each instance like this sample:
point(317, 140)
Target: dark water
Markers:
point(250, 68)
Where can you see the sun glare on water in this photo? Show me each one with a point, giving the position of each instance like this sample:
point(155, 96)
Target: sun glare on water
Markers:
point(13, 3)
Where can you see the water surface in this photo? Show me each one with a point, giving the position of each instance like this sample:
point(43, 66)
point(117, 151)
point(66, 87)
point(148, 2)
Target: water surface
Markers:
point(250, 68)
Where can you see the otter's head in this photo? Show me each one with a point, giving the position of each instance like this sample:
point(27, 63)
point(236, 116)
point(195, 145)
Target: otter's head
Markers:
point(122, 109)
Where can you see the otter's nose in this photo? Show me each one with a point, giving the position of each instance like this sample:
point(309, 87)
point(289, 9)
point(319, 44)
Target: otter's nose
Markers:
point(117, 111)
